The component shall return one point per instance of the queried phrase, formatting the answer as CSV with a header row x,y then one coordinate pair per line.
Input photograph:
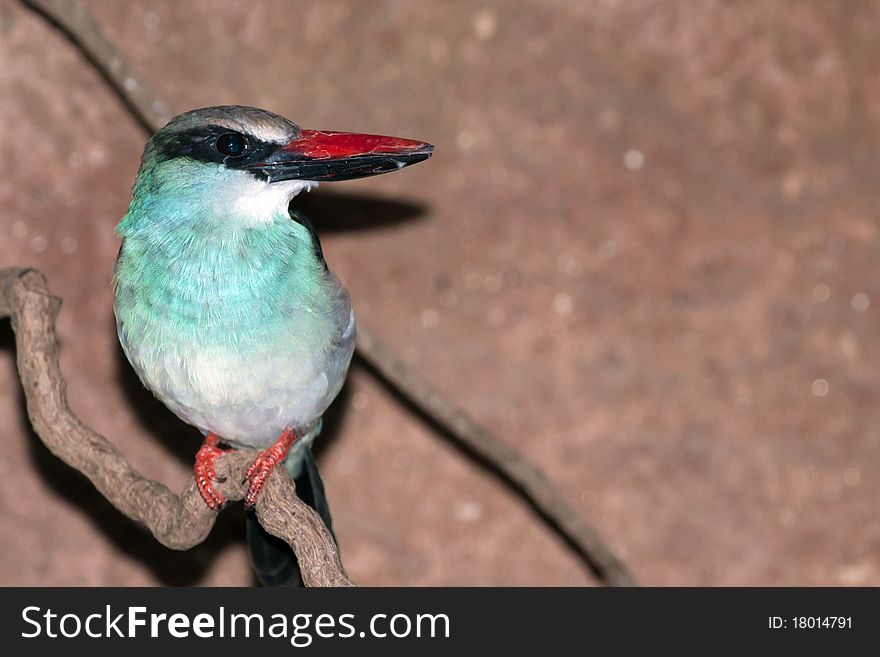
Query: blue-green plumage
x,y
224,304
225,309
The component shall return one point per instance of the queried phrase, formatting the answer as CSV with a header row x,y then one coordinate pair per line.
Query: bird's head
x,y
245,164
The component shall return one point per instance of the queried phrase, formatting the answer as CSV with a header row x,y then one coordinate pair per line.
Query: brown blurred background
x,y
645,254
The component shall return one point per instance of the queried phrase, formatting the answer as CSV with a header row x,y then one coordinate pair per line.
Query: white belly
x,y
246,395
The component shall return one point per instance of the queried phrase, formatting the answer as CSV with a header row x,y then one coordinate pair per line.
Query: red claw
x,y
266,461
205,473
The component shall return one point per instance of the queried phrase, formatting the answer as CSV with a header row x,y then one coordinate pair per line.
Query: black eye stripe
x,y
204,144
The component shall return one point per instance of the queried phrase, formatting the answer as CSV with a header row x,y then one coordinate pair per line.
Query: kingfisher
x,y
225,306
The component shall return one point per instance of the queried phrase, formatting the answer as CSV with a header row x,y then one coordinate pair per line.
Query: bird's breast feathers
x,y
243,358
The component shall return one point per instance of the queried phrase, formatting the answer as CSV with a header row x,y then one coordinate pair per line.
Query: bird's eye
x,y
232,144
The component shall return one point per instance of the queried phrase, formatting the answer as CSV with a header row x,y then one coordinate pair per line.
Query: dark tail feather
x,y
273,561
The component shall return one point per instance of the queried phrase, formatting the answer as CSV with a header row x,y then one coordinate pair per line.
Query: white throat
x,y
261,201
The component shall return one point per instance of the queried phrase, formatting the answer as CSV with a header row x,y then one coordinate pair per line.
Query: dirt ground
x,y
645,253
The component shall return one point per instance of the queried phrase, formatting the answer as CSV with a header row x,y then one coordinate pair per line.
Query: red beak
x,y
330,155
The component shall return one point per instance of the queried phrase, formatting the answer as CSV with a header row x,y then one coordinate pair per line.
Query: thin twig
x,y
177,521
525,478
77,23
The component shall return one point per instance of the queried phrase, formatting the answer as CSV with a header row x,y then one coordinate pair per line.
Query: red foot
x,y
265,463
205,473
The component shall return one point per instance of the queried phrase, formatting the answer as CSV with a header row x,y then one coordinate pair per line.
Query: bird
x,y
225,306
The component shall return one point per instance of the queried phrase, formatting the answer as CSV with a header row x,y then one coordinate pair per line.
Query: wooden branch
x,y
178,522
525,478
